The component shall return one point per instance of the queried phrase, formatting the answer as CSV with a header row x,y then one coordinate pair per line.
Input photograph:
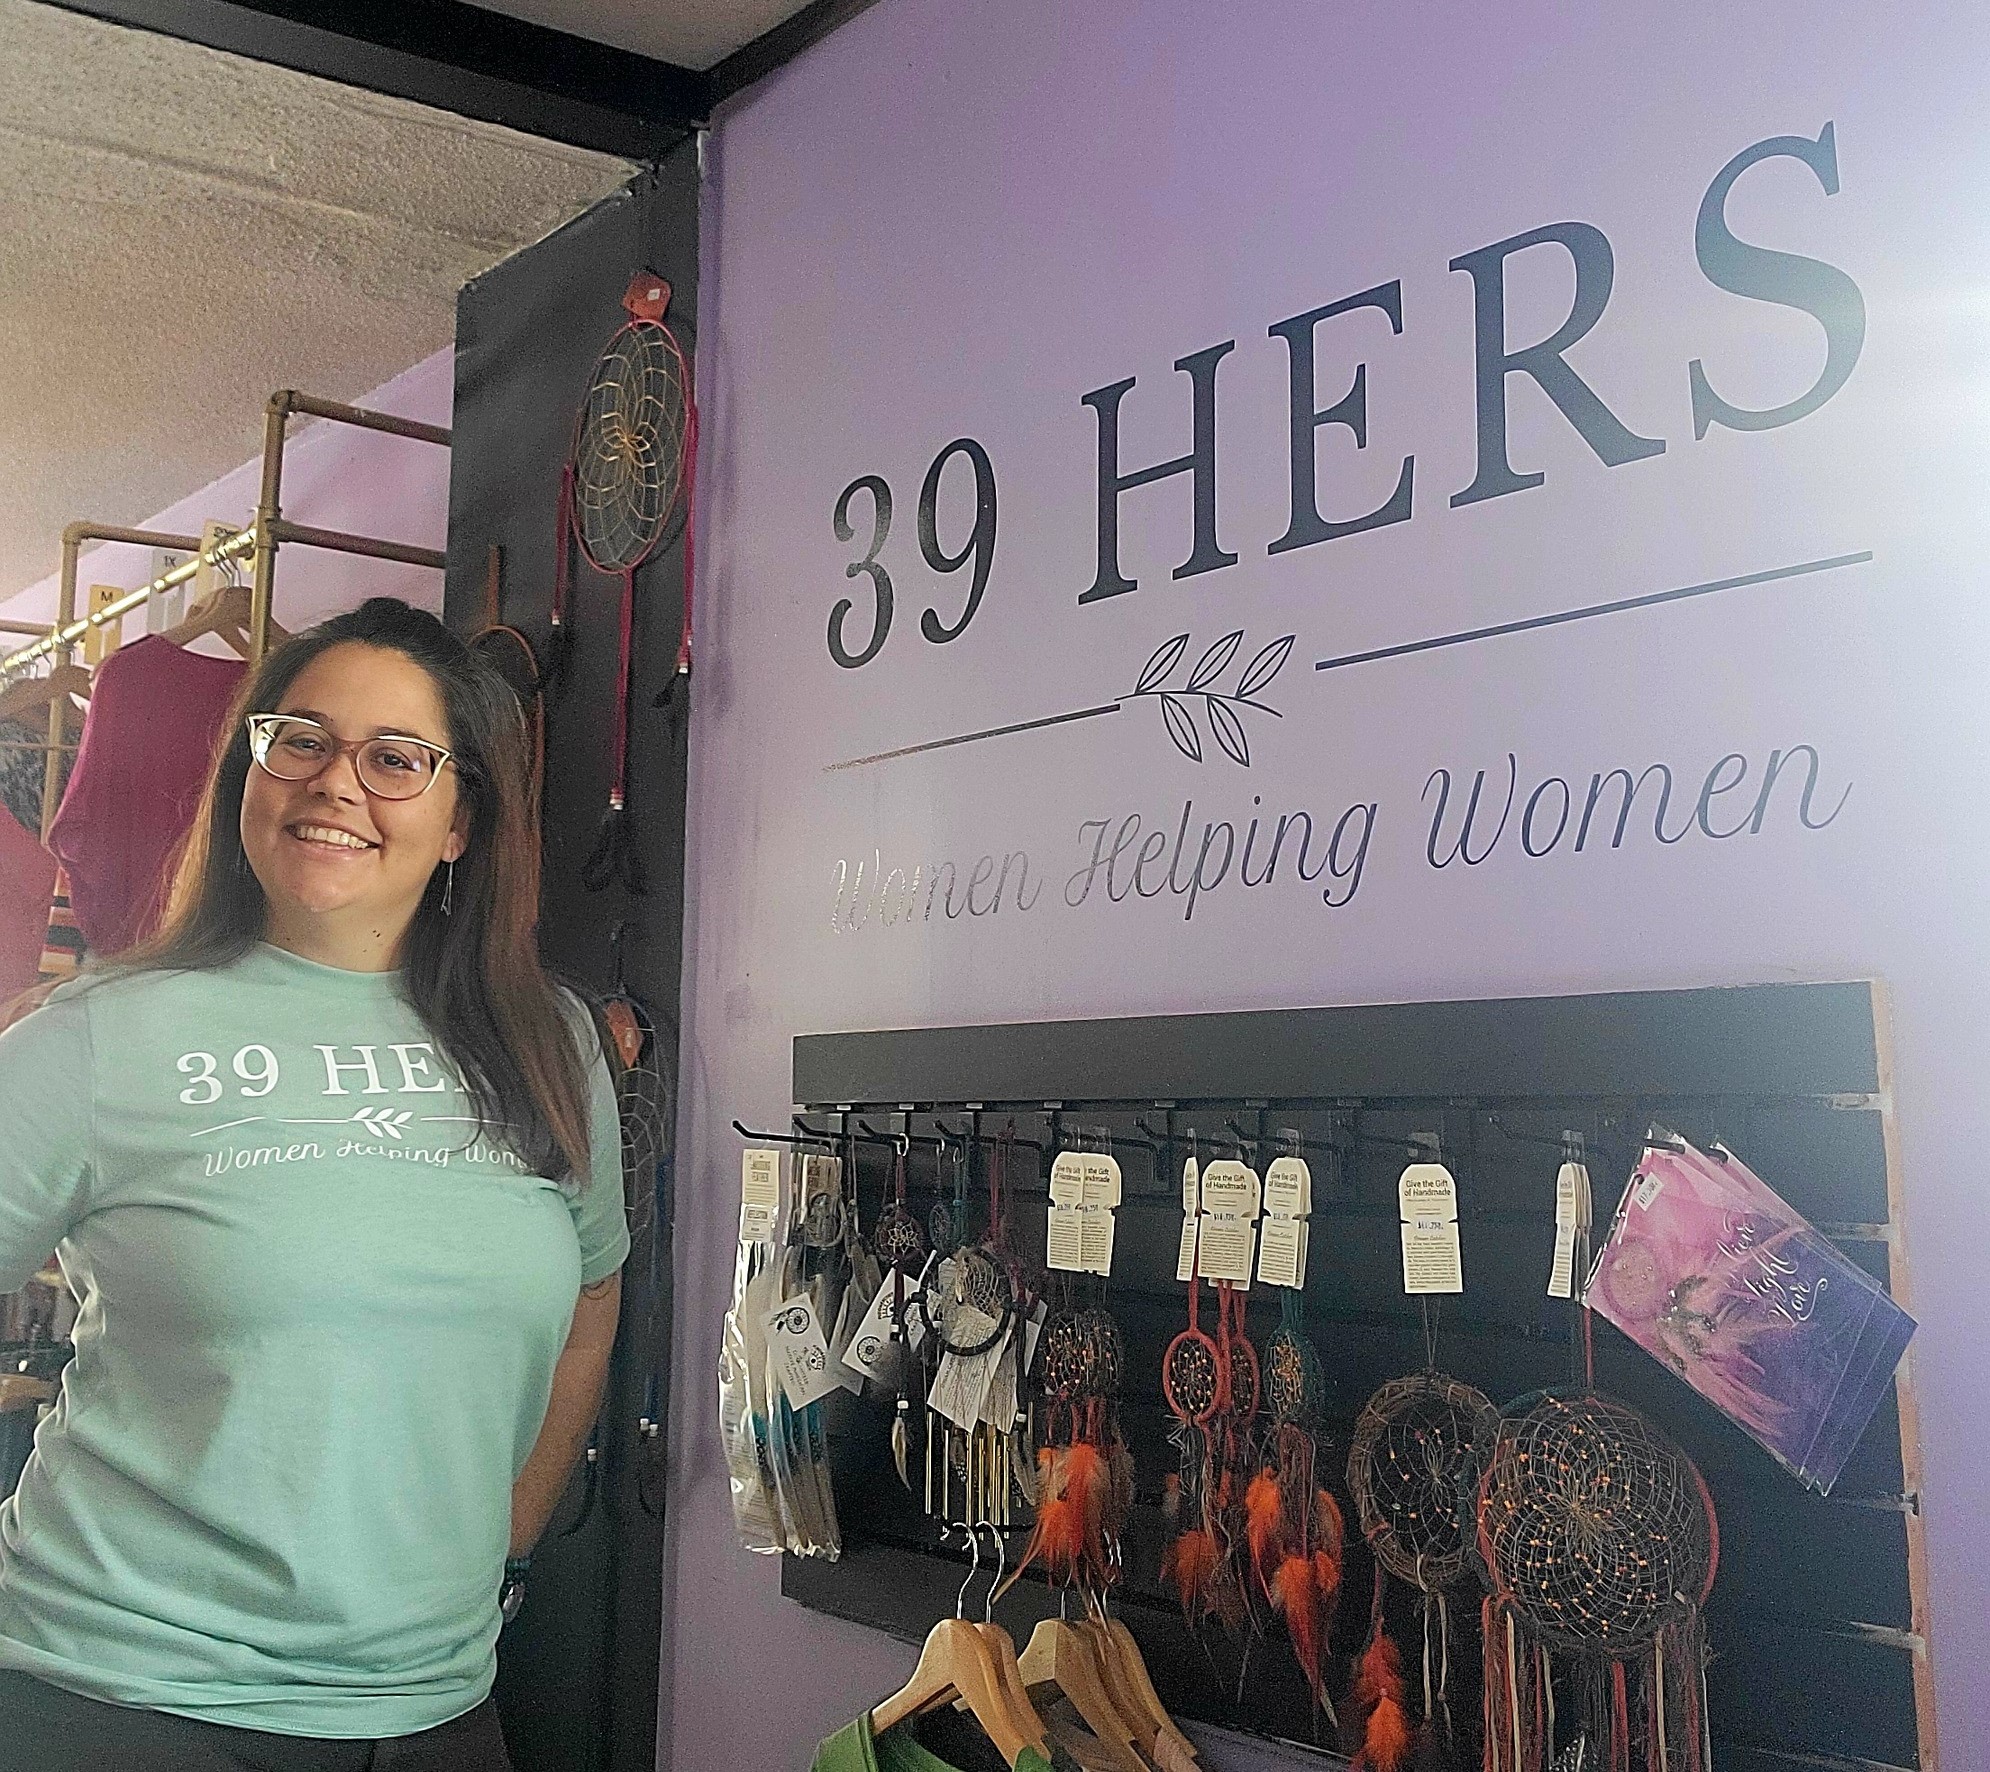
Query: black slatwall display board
x,y
1817,1621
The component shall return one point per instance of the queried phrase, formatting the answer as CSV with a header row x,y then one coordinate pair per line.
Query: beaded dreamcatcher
x,y
1084,1478
1293,1525
1200,1560
1600,1544
1408,1469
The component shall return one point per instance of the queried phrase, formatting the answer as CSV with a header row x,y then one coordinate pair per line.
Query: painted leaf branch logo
x,y
383,1122
1223,711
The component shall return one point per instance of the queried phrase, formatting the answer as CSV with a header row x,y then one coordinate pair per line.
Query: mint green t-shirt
x,y
320,1312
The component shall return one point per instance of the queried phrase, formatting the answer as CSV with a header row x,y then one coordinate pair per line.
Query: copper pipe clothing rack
x,y
258,544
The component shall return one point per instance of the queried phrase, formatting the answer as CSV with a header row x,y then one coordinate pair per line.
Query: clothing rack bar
x,y
68,631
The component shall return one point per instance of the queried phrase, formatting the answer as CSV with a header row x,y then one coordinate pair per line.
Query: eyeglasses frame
x,y
259,749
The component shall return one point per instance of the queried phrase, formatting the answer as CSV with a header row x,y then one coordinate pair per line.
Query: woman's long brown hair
x,y
473,975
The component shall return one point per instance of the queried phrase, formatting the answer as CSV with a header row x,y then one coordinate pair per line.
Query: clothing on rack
x,y
855,1748
62,947
156,711
23,762
27,873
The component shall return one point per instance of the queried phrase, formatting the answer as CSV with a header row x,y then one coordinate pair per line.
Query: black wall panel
x,y
577,1681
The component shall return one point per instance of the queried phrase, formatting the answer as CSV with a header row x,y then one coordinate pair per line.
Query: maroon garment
x,y
27,872
156,711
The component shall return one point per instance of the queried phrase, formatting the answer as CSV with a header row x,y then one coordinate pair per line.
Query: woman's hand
x,y
579,1381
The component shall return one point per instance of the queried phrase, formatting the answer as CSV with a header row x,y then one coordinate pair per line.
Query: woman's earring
x,y
448,887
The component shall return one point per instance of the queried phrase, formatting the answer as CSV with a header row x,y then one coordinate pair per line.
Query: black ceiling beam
x,y
773,49
453,56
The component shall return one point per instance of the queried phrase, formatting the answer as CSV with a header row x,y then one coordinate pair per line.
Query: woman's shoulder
x,y
94,992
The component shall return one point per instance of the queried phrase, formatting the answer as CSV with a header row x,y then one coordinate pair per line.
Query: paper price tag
x,y
1288,1188
1645,1188
1102,1180
1095,1240
1033,1328
1067,1179
1572,1211
1231,1190
870,1349
1064,1246
962,1383
1185,1261
800,1352
1225,1247
759,1195
999,1407
1427,1190
1282,1252
1432,1261
1191,1187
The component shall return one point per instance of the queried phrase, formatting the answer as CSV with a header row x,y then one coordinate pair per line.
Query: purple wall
x,y
952,221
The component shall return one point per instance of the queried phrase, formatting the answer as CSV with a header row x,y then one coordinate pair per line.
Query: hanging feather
x,y
901,1446
1190,1565
1264,1510
1386,1743
1326,1574
1171,1498
1122,1490
1380,1674
1295,1591
1329,1528
1384,1724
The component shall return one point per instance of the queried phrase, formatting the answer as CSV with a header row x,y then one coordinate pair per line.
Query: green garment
x,y
856,1749
319,1318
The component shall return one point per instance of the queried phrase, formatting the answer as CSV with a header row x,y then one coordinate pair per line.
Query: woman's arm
x,y
579,1380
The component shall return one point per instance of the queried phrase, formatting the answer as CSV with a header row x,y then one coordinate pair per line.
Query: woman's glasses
x,y
391,767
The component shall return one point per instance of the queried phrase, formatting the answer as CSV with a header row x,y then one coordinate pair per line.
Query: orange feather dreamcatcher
x,y
1408,1470
1084,1471
1293,1524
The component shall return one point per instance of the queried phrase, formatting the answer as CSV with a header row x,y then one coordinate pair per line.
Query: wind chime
x,y
1408,1469
1600,1544
975,1310
1294,1525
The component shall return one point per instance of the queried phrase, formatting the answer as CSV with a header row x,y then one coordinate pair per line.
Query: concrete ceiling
x,y
692,33
182,232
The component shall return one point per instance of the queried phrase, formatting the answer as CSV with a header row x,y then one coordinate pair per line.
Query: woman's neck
x,y
362,945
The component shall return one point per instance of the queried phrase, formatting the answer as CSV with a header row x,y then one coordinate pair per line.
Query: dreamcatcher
x,y
510,654
627,478
1199,1560
1084,1480
1408,1469
1294,1525
1600,1544
646,1110
900,1246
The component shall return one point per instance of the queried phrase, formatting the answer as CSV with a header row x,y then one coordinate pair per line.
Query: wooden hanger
x,y
225,615
1059,1655
956,1661
1002,1646
37,692
1155,1732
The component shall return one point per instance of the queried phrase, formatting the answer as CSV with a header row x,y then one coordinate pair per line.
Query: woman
x,y
333,1170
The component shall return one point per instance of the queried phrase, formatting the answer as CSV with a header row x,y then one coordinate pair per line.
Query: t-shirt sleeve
x,y
45,1160
600,1221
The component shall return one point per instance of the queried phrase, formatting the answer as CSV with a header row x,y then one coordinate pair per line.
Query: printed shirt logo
x,y
254,1073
